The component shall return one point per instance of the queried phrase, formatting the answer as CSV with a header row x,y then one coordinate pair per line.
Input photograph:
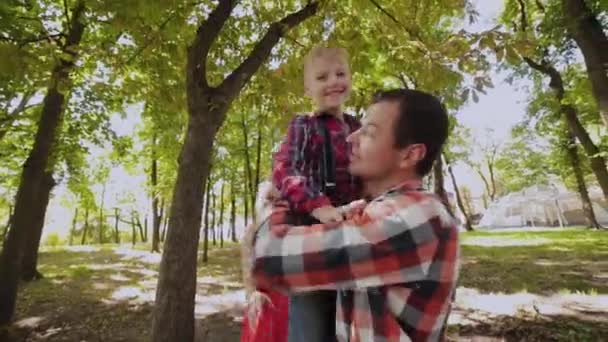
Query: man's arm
x,y
288,163
393,241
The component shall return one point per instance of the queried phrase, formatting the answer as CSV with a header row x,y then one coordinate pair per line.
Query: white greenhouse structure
x,y
543,206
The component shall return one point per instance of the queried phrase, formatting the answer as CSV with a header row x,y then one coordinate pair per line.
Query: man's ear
x,y
411,155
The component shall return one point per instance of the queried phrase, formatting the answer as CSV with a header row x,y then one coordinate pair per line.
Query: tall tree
x,y
459,201
30,253
232,212
173,318
569,144
37,165
598,162
156,215
583,25
221,218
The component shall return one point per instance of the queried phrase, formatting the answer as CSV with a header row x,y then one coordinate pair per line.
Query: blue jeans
x,y
312,317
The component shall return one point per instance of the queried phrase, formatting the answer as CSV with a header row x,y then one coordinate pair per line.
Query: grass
x,y
532,286
105,293
544,262
514,286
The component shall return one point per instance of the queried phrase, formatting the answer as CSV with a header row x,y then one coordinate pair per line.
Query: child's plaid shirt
x,y
296,171
394,264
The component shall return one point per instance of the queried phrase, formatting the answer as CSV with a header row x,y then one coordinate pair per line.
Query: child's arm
x,y
292,157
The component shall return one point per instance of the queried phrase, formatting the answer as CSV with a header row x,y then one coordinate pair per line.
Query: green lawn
x,y
514,286
559,279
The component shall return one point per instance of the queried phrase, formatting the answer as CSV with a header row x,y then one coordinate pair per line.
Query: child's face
x,y
328,82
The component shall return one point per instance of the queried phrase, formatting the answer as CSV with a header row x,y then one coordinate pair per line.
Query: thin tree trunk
x,y
133,229
221,219
587,31
156,215
165,224
232,212
248,171
86,226
73,230
206,227
101,216
8,222
467,220
146,228
213,209
36,166
439,182
573,156
254,188
116,219
137,221
598,163
246,203
173,317
30,254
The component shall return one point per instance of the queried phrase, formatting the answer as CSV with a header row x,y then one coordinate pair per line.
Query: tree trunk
x,y
156,217
587,31
248,171
438,183
35,167
137,221
30,254
86,226
246,203
116,219
573,157
221,219
101,216
133,230
8,222
165,224
467,220
232,212
173,317
256,182
73,230
206,227
213,209
598,163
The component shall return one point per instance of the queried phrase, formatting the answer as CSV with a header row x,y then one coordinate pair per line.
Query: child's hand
x,y
255,304
328,214
353,208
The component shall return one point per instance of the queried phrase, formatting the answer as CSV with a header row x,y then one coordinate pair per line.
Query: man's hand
x,y
353,208
328,214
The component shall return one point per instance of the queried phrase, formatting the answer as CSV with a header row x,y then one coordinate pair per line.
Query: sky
x,y
501,108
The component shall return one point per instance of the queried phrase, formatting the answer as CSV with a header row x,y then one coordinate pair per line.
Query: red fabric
x,y
272,322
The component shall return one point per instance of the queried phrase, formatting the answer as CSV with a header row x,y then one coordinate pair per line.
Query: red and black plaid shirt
x,y
394,264
297,164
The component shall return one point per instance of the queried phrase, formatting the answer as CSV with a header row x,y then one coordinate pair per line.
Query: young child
x,y
299,174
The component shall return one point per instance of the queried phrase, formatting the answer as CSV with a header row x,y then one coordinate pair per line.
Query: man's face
x,y
373,153
328,82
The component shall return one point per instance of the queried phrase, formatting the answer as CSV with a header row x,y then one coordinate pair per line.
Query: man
x,y
394,263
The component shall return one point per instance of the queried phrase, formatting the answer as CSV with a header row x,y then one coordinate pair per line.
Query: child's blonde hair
x,y
324,52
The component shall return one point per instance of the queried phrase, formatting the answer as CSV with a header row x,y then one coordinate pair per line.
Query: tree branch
x,y
66,12
51,38
230,87
151,38
206,35
522,14
394,19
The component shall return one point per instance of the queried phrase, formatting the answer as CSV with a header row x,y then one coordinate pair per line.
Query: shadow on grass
x,y
528,327
539,262
106,294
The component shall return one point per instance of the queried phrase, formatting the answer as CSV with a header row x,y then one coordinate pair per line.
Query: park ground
x,y
547,285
